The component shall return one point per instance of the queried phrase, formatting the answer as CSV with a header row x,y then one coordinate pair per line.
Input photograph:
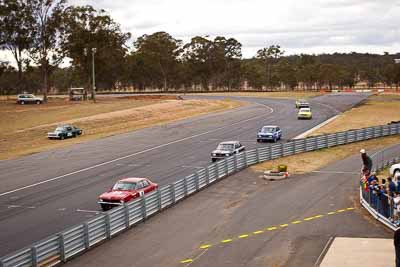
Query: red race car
x,y
126,190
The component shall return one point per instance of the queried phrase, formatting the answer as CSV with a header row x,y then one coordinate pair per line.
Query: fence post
x,y
235,163
126,212
143,207
226,167
245,158
61,242
197,180
173,193
257,155
86,235
34,256
108,225
346,133
270,152
207,176
185,190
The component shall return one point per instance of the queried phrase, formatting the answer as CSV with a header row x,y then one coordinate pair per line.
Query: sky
x,y
307,26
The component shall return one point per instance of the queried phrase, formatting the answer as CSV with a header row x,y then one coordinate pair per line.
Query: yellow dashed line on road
x,y
281,226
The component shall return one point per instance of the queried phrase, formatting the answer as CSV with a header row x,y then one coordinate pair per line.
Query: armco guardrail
x,y
60,247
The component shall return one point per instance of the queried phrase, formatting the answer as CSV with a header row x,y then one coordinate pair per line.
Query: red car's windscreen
x,y
124,186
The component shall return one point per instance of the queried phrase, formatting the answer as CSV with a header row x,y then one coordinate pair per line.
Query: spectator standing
x,y
392,186
367,162
383,205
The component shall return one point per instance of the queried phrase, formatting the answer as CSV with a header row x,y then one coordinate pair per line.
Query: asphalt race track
x,y
47,192
244,220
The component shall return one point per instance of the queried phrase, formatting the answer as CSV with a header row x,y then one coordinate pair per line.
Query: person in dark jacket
x,y
396,239
392,186
367,162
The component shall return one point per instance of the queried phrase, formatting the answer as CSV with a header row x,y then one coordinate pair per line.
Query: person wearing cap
x,y
367,162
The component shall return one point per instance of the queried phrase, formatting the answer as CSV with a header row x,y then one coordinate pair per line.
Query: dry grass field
x,y
287,95
377,110
24,128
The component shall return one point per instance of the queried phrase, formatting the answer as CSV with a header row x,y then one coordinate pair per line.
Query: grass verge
x,y
315,160
24,128
376,110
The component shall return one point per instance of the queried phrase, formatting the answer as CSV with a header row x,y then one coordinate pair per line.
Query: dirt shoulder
x,y
24,128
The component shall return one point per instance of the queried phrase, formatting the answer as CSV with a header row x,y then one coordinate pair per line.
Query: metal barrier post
x,y
207,175
197,181
245,158
173,193
257,155
126,212
185,186
235,163
34,256
226,167
159,199
86,235
62,247
143,207
108,226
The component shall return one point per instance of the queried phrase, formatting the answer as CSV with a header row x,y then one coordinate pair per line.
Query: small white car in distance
x,y
394,170
23,99
226,149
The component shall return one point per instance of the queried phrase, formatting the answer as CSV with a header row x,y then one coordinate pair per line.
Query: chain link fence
x,y
61,247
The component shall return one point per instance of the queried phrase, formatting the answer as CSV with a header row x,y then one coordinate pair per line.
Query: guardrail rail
x,y
62,246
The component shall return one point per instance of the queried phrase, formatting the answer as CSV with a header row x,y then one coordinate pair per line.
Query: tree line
x,y
41,34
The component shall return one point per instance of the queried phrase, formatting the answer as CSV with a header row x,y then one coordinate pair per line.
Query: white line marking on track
x,y
88,211
197,257
14,206
302,135
189,166
135,154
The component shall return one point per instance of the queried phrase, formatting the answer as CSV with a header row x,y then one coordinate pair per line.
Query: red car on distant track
x,y
126,190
